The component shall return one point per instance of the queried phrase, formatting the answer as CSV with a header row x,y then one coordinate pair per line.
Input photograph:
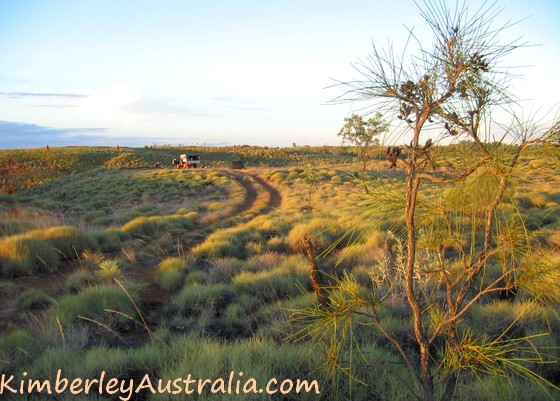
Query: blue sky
x,y
133,72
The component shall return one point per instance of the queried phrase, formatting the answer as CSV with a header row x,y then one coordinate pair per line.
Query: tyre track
x,y
249,209
253,185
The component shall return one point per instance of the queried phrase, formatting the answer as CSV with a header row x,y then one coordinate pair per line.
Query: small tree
x,y
363,134
461,241
311,179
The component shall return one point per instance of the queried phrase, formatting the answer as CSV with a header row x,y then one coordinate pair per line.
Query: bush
x,y
197,277
286,280
170,272
230,242
18,338
110,240
195,299
235,322
170,280
172,263
21,255
79,280
264,261
69,241
217,248
102,358
94,302
16,347
222,270
94,215
141,227
34,299
109,271
155,225
321,231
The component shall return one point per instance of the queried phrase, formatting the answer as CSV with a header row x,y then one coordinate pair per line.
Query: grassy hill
x,y
108,264
24,168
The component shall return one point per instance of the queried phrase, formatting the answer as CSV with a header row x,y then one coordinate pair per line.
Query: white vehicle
x,y
187,161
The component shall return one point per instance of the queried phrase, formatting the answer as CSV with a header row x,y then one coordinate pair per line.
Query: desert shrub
x,y
263,261
286,280
253,248
278,176
111,239
235,322
141,226
195,299
80,279
231,242
351,255
170,273
146,210
336,179
175,223
109,271
275,244
93,303
192,215
69,241
48,362
197,277
16,347
221,270
322,232
21,255
376,238
18,338
218,248
90,260
151,226
112,360
170,280
172,263
93,216
34,299
270,224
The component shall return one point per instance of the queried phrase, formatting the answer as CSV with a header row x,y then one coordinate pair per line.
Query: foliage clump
x,y
25,255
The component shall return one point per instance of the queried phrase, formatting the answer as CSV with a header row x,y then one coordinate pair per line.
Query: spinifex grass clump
x,y
171,272
69,241
24,255
103,304
109,271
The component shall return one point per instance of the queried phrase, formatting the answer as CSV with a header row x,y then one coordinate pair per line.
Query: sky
x,y
216,72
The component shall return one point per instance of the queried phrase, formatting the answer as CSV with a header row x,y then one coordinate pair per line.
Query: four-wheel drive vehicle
x,y
187,161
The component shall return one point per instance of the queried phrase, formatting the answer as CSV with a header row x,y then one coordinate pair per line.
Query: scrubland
x,y
107,264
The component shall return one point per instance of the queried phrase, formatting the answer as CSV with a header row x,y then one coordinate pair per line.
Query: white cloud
x,y
109,103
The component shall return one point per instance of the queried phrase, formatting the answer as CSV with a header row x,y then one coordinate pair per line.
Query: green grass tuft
x,y
22,255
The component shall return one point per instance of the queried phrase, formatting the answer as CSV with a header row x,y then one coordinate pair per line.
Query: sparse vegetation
x,y
137,270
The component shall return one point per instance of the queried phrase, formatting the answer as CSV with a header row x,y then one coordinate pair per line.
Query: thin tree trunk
x,y
314,273
412,187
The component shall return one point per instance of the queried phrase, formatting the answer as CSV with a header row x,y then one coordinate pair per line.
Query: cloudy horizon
x,y
137,72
